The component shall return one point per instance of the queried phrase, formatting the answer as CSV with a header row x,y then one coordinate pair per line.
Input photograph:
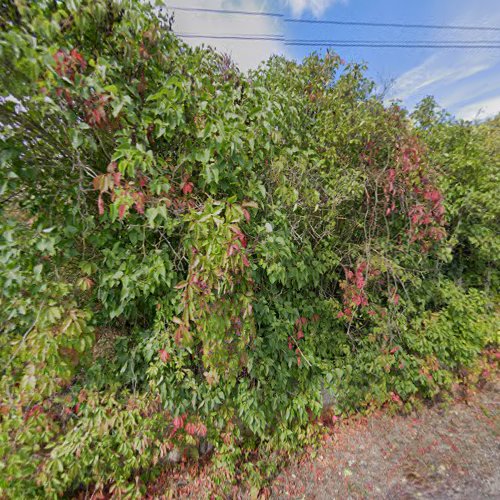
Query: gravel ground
x,y
439,453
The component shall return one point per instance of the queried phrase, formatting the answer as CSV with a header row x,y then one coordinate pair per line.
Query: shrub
x,y
191,253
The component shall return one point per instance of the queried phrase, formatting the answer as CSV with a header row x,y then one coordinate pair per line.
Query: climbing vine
x,y
192,256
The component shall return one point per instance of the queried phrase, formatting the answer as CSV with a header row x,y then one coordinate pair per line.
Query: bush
x,y
190,253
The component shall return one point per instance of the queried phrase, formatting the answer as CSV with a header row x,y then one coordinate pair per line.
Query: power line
x,y
226,11
452,42
472,44
327,21
233,37
394,25
392,45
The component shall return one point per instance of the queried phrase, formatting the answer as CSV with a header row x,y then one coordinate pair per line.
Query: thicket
x,y
194,255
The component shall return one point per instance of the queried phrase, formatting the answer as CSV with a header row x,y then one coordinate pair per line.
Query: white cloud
x,y
486,108
247,54
317,7
438,70
470,90
458,76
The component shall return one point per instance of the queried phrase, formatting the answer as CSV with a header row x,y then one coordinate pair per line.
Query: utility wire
x,y
392,45
394,25
472,44
452,42
233,37
225,11
326,21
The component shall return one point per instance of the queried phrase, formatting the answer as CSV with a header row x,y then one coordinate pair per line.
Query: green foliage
x,y
191,254
470,164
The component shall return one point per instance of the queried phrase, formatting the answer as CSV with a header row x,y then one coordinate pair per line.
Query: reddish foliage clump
x,y
355,295
409,180
68,65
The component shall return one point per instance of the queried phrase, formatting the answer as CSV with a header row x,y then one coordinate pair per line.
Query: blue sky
x,y
466,82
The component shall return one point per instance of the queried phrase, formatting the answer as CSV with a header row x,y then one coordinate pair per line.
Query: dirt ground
x,y
439,453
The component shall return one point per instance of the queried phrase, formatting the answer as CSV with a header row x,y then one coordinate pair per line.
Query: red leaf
x,y
139,202
246,213
100,205
187,187
116,178
190,428
97,114
121,211
301,321
178,423
164,355
201,430
232,249
243,239
395,397
300,334
244,258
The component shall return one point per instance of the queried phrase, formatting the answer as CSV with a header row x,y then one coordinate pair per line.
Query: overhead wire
x,y
449,44
330,21
226,11
472,44
394,25
233,37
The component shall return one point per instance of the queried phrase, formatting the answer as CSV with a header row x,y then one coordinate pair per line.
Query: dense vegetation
x,y
193,255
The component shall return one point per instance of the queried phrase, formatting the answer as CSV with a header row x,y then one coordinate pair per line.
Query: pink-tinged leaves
x,y
100,205
117,178
395,397
301,321
246,214
178,423
139,202
242,238
187,187
232,249
164,355
190,428
121,211
245,260
201,430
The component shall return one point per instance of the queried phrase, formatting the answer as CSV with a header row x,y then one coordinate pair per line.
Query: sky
x,y
464,81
